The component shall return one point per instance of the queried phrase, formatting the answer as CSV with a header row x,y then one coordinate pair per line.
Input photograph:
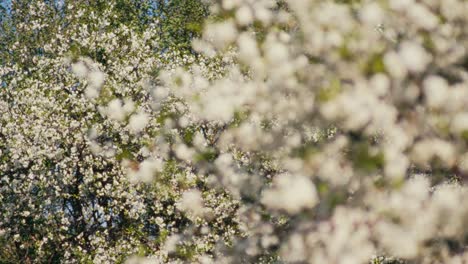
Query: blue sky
x,y
5,3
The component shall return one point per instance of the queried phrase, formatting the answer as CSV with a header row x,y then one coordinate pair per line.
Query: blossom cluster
x,y
340,129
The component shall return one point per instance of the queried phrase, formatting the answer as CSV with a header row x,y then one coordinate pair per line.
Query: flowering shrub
x,y
293,131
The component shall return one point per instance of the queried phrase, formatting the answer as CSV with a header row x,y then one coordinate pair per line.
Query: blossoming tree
x,y
288,131
74,105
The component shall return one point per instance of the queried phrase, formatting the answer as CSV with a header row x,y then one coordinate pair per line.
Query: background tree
x,y
65,196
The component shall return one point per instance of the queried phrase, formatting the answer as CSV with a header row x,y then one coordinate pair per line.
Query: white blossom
x,y
291,193
138,122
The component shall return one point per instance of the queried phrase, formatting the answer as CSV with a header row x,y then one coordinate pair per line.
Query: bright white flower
x,y
397,240
414,57
231,4
171,243
463,163
184,152
244,15
115,110
380,83
291,193
221,34
96,79
395,65
192,202
371,14
138,122
160,93
79,69
91,92
145,171
422,16
277,53
435,91
427,149
396,165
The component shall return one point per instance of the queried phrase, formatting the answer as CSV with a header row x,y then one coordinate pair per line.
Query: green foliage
x,y
180,21
374,65
329,92
365,158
